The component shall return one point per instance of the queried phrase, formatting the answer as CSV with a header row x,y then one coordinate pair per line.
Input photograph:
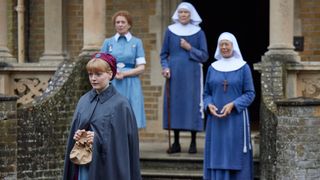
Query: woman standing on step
x,y
183,52
131,61
228,92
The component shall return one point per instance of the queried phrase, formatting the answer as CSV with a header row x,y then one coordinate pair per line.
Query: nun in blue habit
x,y
183,51
228,92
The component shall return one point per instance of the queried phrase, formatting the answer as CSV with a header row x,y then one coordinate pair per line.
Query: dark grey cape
x,y
116,142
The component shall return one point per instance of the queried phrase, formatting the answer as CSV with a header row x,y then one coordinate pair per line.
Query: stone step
x,y
181,161
177,167
171,174
156,164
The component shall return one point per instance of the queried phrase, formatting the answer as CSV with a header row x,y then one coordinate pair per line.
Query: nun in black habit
x,y
109,122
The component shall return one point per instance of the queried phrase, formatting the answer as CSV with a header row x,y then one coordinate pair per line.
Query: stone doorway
x,y
249,22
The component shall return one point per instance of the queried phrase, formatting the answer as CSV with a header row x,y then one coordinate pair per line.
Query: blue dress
x,y
186,81
228,152
127,52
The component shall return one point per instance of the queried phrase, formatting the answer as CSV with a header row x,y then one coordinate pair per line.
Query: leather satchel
x,y
81,152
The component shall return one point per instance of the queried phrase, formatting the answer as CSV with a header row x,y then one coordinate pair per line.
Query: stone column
x,y
281,27
54,38
276,82
94,20
4,51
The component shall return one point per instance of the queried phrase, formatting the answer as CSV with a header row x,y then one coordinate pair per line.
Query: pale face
x,y
184,16
226,48
121,24
99,80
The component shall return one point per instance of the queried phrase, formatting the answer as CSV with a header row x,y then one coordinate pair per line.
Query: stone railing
x,y
27,81
302,79
307,78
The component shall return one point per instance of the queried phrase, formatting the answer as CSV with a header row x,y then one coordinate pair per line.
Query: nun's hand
x,y
185,45
226,110
213,110
166,73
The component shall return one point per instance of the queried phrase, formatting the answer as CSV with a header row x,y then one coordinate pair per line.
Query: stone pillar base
x,y
7,61
52,59
5,56
286,55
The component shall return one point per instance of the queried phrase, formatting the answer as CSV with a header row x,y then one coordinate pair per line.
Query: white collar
x,y
184,30
128,36
227,65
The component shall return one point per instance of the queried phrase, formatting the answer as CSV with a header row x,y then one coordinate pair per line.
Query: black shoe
x,y
192,148
175,148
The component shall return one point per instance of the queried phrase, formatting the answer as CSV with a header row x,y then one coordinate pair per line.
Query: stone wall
x,y
289,130
8,137
298,142
273,87
272,81
44,125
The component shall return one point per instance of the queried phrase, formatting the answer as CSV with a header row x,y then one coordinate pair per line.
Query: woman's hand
x,y
119,75
213,110
166,73
139,69
185,45
226,110
90,137
78,134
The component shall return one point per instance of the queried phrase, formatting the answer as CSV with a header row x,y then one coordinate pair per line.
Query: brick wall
x,y
74,27
73,18
12,27
310,20
34,30
8,137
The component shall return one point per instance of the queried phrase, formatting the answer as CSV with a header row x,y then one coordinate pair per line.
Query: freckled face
x,y
99,79
184,16
226,48
121,24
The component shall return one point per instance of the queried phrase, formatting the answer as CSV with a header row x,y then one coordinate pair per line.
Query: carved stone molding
x,y
28,88
311,87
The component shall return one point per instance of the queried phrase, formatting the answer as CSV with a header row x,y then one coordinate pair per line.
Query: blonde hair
x,y
98,65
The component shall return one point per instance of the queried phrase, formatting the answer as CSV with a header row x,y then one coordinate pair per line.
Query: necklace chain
x,y
225,82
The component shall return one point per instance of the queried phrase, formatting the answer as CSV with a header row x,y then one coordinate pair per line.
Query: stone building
x,y
44,45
